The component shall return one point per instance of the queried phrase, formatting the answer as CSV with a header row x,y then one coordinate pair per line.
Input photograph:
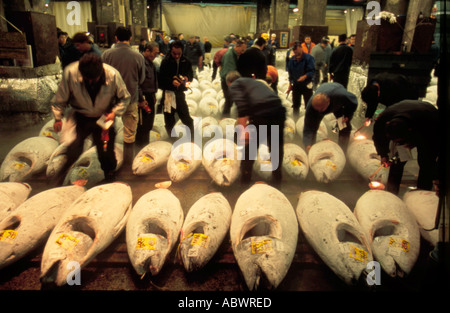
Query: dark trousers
x,y
84,127
341,78
146,120
249,159
344,135
228,101
427,169
215,68
183,114
299,89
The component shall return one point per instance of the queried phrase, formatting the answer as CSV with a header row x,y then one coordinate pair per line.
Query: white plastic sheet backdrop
x,y
214,22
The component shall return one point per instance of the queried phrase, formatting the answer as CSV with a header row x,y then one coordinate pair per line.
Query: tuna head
x,y
71,243
220,160
263,233
183,161
27,158
326,160
12,194
151,157
391,229
295,161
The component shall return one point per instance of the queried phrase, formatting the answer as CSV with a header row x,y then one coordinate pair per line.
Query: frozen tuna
x,y
220,160
264,233
59,158
295,161
87,228
334,233
289,130
208,106
228,127
424,204
48,131
152,230
88,167
183,161
151,157
158,131
364,159
206,225
29,226
12,194
326,160
27,158
322,132
391,229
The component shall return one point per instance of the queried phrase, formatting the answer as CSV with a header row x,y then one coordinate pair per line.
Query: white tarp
x,y
214,22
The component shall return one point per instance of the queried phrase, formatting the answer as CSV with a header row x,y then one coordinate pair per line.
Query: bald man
x,y
329,98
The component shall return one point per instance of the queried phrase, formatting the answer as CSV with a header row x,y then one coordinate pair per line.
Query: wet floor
x,y
112,271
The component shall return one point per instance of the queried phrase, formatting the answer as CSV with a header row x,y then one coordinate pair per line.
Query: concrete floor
x,y
112,271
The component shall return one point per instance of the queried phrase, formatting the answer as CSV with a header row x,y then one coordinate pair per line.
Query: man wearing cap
x,y
401,127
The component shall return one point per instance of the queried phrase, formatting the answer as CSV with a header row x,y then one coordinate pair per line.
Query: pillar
x,y
262,16
312,12
154,14
415,8
280,14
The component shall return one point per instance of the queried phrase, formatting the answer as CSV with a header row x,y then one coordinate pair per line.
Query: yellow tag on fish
x,y
332,165
399,244
183,166
67,242
289,129
82,173
146,159
200,239
226,161
18,166
148,243
296,163
47,134
262,246
358,254
8,235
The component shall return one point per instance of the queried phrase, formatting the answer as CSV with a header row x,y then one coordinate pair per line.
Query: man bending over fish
x,y
329,98
93,90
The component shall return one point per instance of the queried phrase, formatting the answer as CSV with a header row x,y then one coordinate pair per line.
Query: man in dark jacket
x,y
408,124
175,71
147,95
387,89
301,70
258,106
329,98
253,63
193,52
341,61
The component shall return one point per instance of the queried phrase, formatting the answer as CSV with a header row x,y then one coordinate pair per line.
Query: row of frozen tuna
x,y
76,224
325,159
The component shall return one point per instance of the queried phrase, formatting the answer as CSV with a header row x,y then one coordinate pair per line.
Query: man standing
x,y
329,98
93,90
193,52
259,106
147,95
307,44
208,48
131,65
228,64
408,124
318,53
253,62
328,50
81,44
341,61
175,71
301,70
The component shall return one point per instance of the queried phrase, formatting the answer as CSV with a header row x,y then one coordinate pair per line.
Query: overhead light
x,y
345,12
295,10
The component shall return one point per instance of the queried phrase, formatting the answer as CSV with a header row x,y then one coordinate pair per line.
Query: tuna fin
x,y
121,225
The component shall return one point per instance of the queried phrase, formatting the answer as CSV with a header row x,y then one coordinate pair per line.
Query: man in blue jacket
x,y
329,98
301,70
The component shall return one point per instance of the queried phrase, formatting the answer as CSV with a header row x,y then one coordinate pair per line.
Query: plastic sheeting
x,y
214,22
